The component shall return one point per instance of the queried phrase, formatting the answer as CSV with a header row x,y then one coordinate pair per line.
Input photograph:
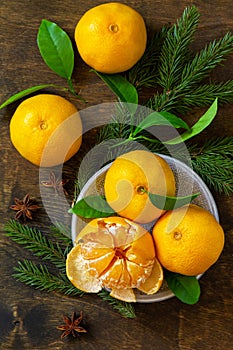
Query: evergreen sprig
x,y
175,49
208,58
34,241
182,89
213,162
40,278
145,71
204,94
62,234
125,309
171,66
180,79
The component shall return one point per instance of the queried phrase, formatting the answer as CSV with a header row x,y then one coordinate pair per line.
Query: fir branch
x,y
175,49
40,278
145,71
179,76
124,308
199,96
62,234
199,68
213,162
33,240
205,94
165,101
118,125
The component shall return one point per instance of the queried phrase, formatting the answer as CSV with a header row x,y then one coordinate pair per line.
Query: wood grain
x,y
28,318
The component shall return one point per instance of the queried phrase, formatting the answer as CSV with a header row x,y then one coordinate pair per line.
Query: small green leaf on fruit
x,y
170,203
185,288
92,207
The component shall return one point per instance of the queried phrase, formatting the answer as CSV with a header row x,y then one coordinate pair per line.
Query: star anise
x,y
56,184
24,207
72,325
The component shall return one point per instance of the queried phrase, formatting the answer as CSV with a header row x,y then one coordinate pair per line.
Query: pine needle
x,y
34,241
145,71
175,49
199,68
40,278
214,163
62,234
124,308
205,94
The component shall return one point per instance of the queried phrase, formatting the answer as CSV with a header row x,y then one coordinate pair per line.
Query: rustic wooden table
x,y
28,317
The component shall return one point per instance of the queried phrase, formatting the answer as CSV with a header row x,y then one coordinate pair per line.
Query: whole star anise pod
x,y
72,325
56,184
24,207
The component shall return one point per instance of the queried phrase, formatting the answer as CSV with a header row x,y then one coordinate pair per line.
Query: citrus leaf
x,y
122,88
56,48
199,126
92,207
161,118
185,288
174,120
24,93
170,203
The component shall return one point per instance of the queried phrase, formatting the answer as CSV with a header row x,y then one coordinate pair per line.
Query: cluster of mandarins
x,y
119,254
110,38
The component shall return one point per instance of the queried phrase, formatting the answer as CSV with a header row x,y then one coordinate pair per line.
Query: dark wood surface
x,y
28,318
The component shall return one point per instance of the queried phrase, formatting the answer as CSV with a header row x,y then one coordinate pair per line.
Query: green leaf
x,y
24,93
199,126
169,203
122,88
185,288
92,207
56,48
161,118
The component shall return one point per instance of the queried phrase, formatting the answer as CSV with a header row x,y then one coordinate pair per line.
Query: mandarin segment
x,y
154,281
125,294
101,264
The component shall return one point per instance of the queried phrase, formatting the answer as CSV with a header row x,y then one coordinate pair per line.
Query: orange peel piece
x,y
153,283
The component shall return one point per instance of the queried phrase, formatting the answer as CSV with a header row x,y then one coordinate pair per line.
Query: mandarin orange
x,y
188,240
111,37
129,179
116,254
46,129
